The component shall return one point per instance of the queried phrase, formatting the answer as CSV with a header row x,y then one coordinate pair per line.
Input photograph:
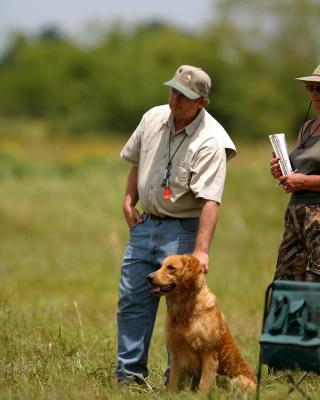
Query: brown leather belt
x,y
156,217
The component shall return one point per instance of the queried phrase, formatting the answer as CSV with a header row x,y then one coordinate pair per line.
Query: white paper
x,y
280,149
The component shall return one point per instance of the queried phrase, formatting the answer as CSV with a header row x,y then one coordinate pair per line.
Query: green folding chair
x,y
290,338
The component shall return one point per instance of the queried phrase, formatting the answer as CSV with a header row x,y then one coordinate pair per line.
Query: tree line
x,y
252,51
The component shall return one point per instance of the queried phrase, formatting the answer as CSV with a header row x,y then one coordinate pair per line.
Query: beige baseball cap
x,y
314,77
193,82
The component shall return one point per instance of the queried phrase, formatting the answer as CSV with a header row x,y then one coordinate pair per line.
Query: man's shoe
x,y
130,379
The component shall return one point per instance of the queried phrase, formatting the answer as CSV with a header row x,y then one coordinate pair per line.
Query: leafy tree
x,y
251,49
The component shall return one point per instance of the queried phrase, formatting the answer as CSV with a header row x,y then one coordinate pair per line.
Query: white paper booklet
x,y
280,149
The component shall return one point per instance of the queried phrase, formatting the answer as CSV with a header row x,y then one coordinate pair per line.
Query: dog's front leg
x,y
209,369
175,374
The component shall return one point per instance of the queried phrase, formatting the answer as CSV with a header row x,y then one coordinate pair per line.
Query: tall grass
x,y
61,239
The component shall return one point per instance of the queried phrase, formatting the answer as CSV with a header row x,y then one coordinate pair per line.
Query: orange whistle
x,y
166,193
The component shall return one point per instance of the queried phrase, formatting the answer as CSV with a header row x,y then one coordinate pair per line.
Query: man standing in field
x,y
178,155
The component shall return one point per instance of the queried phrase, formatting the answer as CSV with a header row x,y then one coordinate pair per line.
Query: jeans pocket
x,y
133,227
188,225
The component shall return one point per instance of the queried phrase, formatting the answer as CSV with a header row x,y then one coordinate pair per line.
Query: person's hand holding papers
x,y
275,167
291,182
280,165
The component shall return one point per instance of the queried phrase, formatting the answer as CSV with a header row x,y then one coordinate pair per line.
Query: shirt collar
x,y
190,128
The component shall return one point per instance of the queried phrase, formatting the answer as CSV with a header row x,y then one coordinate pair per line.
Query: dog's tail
x,y
232,364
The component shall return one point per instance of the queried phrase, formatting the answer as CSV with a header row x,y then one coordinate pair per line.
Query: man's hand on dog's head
x,y
203,258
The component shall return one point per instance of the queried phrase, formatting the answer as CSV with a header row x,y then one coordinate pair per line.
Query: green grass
x,y
61,241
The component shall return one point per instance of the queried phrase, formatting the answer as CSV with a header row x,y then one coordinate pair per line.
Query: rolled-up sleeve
x,y
131,150
208,173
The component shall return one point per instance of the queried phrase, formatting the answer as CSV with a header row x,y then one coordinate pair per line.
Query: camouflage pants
x,y
299,252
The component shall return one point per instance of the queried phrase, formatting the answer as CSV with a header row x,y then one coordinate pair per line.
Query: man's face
x,y
182,107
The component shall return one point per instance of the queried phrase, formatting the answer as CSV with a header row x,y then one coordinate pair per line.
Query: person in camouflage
x,y
299,251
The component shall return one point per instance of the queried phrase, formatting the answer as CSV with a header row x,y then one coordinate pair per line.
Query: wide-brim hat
x,y
191,81
314,77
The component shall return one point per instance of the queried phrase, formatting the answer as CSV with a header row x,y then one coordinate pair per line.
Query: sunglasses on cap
x,y
311,88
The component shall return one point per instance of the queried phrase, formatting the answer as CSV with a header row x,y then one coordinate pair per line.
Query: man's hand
x,y
132,216
203,258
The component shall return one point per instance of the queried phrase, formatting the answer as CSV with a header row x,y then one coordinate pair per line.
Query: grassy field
x,y
61,239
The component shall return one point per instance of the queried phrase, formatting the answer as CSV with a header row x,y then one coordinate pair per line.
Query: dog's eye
x,y
170,268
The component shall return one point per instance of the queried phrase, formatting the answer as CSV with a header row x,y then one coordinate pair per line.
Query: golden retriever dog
x,y
197,336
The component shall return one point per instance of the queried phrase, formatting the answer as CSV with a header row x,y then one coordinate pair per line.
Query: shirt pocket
x,y
149,141
181,175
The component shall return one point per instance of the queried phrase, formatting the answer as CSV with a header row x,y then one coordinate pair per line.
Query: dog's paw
x,y
244,382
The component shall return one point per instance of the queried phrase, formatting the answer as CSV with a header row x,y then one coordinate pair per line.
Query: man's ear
x,y
191,268
202,102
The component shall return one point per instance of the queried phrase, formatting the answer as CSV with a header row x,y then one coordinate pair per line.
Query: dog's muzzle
x,y
160,289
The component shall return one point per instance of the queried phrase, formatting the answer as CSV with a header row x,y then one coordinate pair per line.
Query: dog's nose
x,y
150,277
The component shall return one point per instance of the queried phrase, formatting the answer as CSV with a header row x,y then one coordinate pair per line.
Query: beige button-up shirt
x,y
198,167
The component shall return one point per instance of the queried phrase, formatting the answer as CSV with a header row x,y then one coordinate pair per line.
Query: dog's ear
x,y
191,268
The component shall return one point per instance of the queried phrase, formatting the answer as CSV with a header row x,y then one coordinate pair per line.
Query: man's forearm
x,y
207,224
131,198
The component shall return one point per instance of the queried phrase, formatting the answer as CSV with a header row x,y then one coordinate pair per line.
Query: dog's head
x,y
180,272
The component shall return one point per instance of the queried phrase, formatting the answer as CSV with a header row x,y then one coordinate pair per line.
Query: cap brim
x,y
182,89
311,78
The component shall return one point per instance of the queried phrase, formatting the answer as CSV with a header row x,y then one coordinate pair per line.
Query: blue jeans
x,y
149,243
